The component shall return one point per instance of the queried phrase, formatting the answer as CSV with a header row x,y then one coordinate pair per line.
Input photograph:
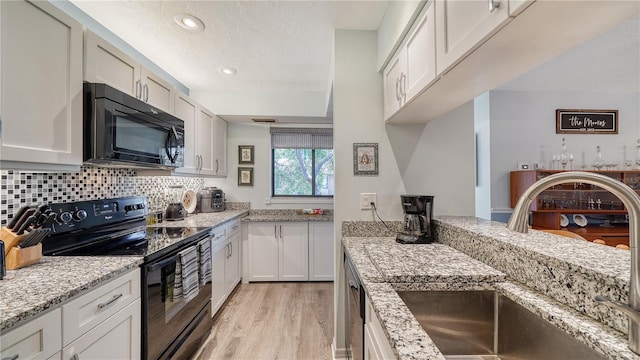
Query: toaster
x,y
210,199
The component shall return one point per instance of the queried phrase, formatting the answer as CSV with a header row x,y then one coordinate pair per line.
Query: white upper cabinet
x,y
205,127
105,63
186,110
220,147
393,75
464,24
421,54
205,139
413,67
41,87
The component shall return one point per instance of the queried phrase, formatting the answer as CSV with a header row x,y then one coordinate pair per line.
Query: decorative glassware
x,y
565,156
638,154
598,163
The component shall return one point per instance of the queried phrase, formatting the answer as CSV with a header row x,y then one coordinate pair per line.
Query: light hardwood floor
x,y
289,320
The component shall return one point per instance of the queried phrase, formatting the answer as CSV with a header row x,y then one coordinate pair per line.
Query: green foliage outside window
x,y
303,172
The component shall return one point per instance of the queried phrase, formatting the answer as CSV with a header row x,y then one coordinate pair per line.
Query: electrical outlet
x,y
366,199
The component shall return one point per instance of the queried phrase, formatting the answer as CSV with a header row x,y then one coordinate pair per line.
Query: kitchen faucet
x,y
519,222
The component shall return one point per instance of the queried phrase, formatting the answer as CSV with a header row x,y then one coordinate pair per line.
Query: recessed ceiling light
x,y
227,70
189,22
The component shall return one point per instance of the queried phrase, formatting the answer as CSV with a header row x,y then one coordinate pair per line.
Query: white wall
x,y
523,128
439,160
258,136
482,128
358,119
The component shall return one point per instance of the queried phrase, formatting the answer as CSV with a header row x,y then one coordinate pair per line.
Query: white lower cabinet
x,y
225,267
290,251
104,323
39,338
321,252
118,337
376,344
278,251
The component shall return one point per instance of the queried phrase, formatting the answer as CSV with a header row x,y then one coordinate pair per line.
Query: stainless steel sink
x,y
486,325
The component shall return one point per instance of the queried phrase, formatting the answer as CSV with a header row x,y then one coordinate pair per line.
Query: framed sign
x,y
586,121
365,159
245,154
245,176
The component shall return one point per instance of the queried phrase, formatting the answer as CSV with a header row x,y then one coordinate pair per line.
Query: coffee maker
x,y
418,213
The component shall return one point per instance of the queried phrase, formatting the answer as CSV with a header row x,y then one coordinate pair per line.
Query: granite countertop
x,y
204,219
386,267
288,215
31,290
288,218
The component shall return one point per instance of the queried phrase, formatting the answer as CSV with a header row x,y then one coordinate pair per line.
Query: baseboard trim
x,y
339,353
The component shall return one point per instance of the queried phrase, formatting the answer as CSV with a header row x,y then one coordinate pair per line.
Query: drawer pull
x,y
12,357
113,299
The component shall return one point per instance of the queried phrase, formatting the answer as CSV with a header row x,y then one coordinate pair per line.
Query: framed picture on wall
x,y
245,176
245,154
365,159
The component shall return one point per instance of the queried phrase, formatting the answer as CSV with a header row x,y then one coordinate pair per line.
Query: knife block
x,y
10,239
19,257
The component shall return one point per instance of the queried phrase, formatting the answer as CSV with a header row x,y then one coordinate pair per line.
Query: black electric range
x,y
172,327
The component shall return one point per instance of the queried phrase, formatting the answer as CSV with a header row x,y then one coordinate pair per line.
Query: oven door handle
x,y
162,263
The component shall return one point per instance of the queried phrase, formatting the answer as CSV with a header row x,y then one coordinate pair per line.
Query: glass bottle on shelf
x,y
565,157
598,163
638,155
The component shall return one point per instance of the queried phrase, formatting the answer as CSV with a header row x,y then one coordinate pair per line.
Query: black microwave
x,y
122,131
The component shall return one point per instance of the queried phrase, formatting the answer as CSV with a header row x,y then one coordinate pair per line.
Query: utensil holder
x,y
10,239
19,257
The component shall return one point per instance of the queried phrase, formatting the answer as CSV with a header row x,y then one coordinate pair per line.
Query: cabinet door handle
x,y
216,166
12,357
493,5
75,356
275,231
398,89
138,89
280,231
231,247
403,84
113,299
146,93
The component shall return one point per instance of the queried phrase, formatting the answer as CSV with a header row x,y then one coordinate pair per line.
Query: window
x,y
302,162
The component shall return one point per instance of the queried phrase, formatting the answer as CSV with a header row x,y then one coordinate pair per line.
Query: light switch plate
x,y
366,199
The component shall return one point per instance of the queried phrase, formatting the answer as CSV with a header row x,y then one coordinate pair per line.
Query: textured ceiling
x,y
285,47
274,45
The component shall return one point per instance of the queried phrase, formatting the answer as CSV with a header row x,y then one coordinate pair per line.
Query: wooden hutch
x,y
577,198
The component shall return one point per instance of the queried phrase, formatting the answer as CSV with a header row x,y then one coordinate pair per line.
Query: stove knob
x,y
65,217
140,206
80,215
128,208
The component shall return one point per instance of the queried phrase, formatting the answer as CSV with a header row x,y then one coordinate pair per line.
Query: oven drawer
x,y
85,312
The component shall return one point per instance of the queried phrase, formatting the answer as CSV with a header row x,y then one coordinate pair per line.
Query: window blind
x,y
301,138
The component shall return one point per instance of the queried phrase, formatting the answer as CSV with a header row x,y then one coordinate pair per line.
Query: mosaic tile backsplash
x,y
19,188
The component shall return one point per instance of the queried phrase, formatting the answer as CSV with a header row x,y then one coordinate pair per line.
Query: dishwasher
x,y
354,307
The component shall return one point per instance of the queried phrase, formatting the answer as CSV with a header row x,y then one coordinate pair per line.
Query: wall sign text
x,y
586,121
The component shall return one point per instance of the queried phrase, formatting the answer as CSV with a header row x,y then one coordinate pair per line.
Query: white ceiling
x,y
610,63
286,47
276,46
